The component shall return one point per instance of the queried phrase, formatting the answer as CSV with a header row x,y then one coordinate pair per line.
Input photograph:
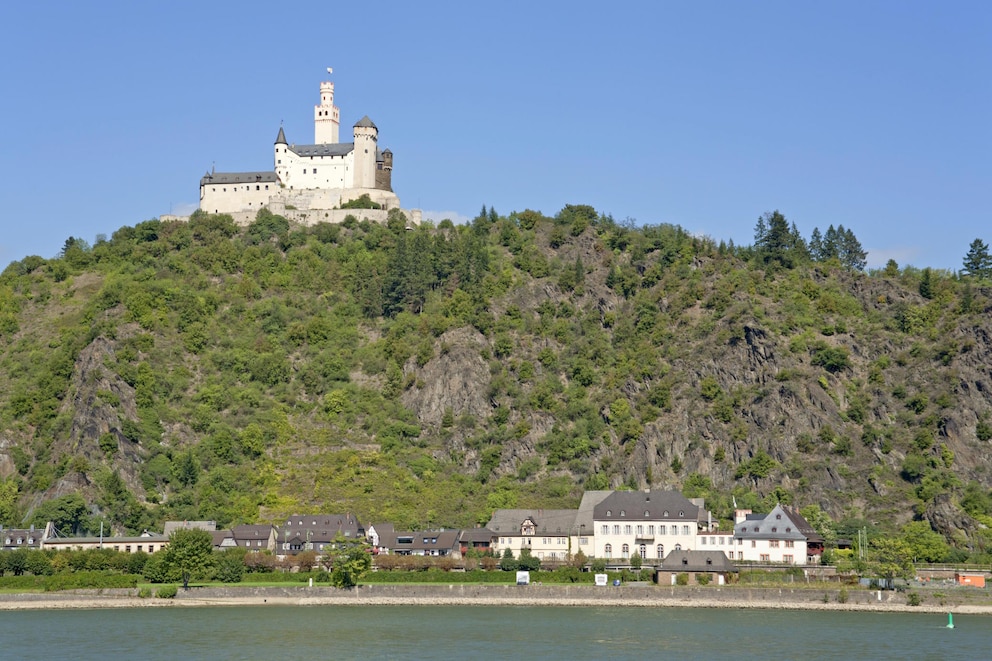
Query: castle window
x,y
315,170
257,187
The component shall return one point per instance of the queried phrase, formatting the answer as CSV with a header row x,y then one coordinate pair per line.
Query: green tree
x,y
927,284
350,564
978,261
189,552
925,544
67,513
508,562
891,558
230,565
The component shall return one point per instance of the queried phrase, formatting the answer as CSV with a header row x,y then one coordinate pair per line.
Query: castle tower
x,y
326,116
280,160
366,137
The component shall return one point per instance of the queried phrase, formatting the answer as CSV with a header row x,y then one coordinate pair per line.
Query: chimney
x,y
740,515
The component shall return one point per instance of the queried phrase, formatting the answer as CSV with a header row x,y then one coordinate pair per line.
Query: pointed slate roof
x,y
281,138
365,122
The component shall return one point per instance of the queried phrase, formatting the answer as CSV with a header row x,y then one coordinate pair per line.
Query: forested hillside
x,y
426,376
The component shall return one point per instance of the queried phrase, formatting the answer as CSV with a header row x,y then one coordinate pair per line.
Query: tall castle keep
x,y
309,183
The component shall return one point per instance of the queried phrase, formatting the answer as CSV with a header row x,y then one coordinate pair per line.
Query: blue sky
x,y
874,115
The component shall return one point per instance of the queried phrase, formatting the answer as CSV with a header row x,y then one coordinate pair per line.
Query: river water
x,y
483,632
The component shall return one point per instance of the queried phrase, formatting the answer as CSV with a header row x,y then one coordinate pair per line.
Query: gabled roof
x,y
420,540
172,526
646,506
781,523
321,527
697,561
252,531
556,522
476,535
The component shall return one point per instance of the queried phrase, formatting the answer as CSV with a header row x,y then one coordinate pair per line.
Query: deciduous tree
x,y
189,552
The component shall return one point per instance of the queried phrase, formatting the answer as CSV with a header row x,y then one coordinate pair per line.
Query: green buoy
x,y
950,620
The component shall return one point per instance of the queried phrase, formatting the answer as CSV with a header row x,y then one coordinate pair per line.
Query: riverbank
x,y
977,602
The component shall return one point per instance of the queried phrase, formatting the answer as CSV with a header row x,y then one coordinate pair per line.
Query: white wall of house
x,y
620,540
777,551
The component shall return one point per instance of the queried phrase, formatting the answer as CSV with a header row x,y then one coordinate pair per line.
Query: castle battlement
x,y
309,182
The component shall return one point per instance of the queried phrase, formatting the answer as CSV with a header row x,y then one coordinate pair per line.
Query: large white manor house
x,y
309,183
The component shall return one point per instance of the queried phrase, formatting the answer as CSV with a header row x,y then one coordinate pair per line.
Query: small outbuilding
x,y
713,564
971,579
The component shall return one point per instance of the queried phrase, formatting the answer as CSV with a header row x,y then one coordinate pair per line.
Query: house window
x,y
609,513
646,514
626,551
139,548
778,516
616,530
787,559
740,555
765,557
740,542
643,551
662,530
127,548
678,547
753,543
702,541
608,550
650,530
685,530
661,551
623,513
773,544
627,530
640,530
789,544
151,548
606,529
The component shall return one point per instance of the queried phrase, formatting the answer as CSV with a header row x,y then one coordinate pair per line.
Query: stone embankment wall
x,y
709,596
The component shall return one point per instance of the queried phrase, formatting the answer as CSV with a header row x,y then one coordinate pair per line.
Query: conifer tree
x,y
978,262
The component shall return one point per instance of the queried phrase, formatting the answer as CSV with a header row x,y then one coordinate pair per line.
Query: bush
x,y
913,599
842,596
682,578
703,579
144,593
167,591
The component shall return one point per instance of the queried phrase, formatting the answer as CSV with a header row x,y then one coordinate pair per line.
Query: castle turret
x,y
279,160
366,137
326,117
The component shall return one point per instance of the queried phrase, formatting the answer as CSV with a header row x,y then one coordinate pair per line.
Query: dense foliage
x,y
426,376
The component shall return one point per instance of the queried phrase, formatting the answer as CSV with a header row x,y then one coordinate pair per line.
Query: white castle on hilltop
x,y
309,183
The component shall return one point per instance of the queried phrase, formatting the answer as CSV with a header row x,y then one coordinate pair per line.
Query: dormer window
x,y
623,513
788,530
609,513
778,516
646,514
681,513
666,514
774,529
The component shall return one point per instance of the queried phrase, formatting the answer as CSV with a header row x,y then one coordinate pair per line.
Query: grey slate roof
x,y
238,178
172,526
555,522
646,506
330,149
318,528
698,561
584,520
781,523
442,541
281,138
365,122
